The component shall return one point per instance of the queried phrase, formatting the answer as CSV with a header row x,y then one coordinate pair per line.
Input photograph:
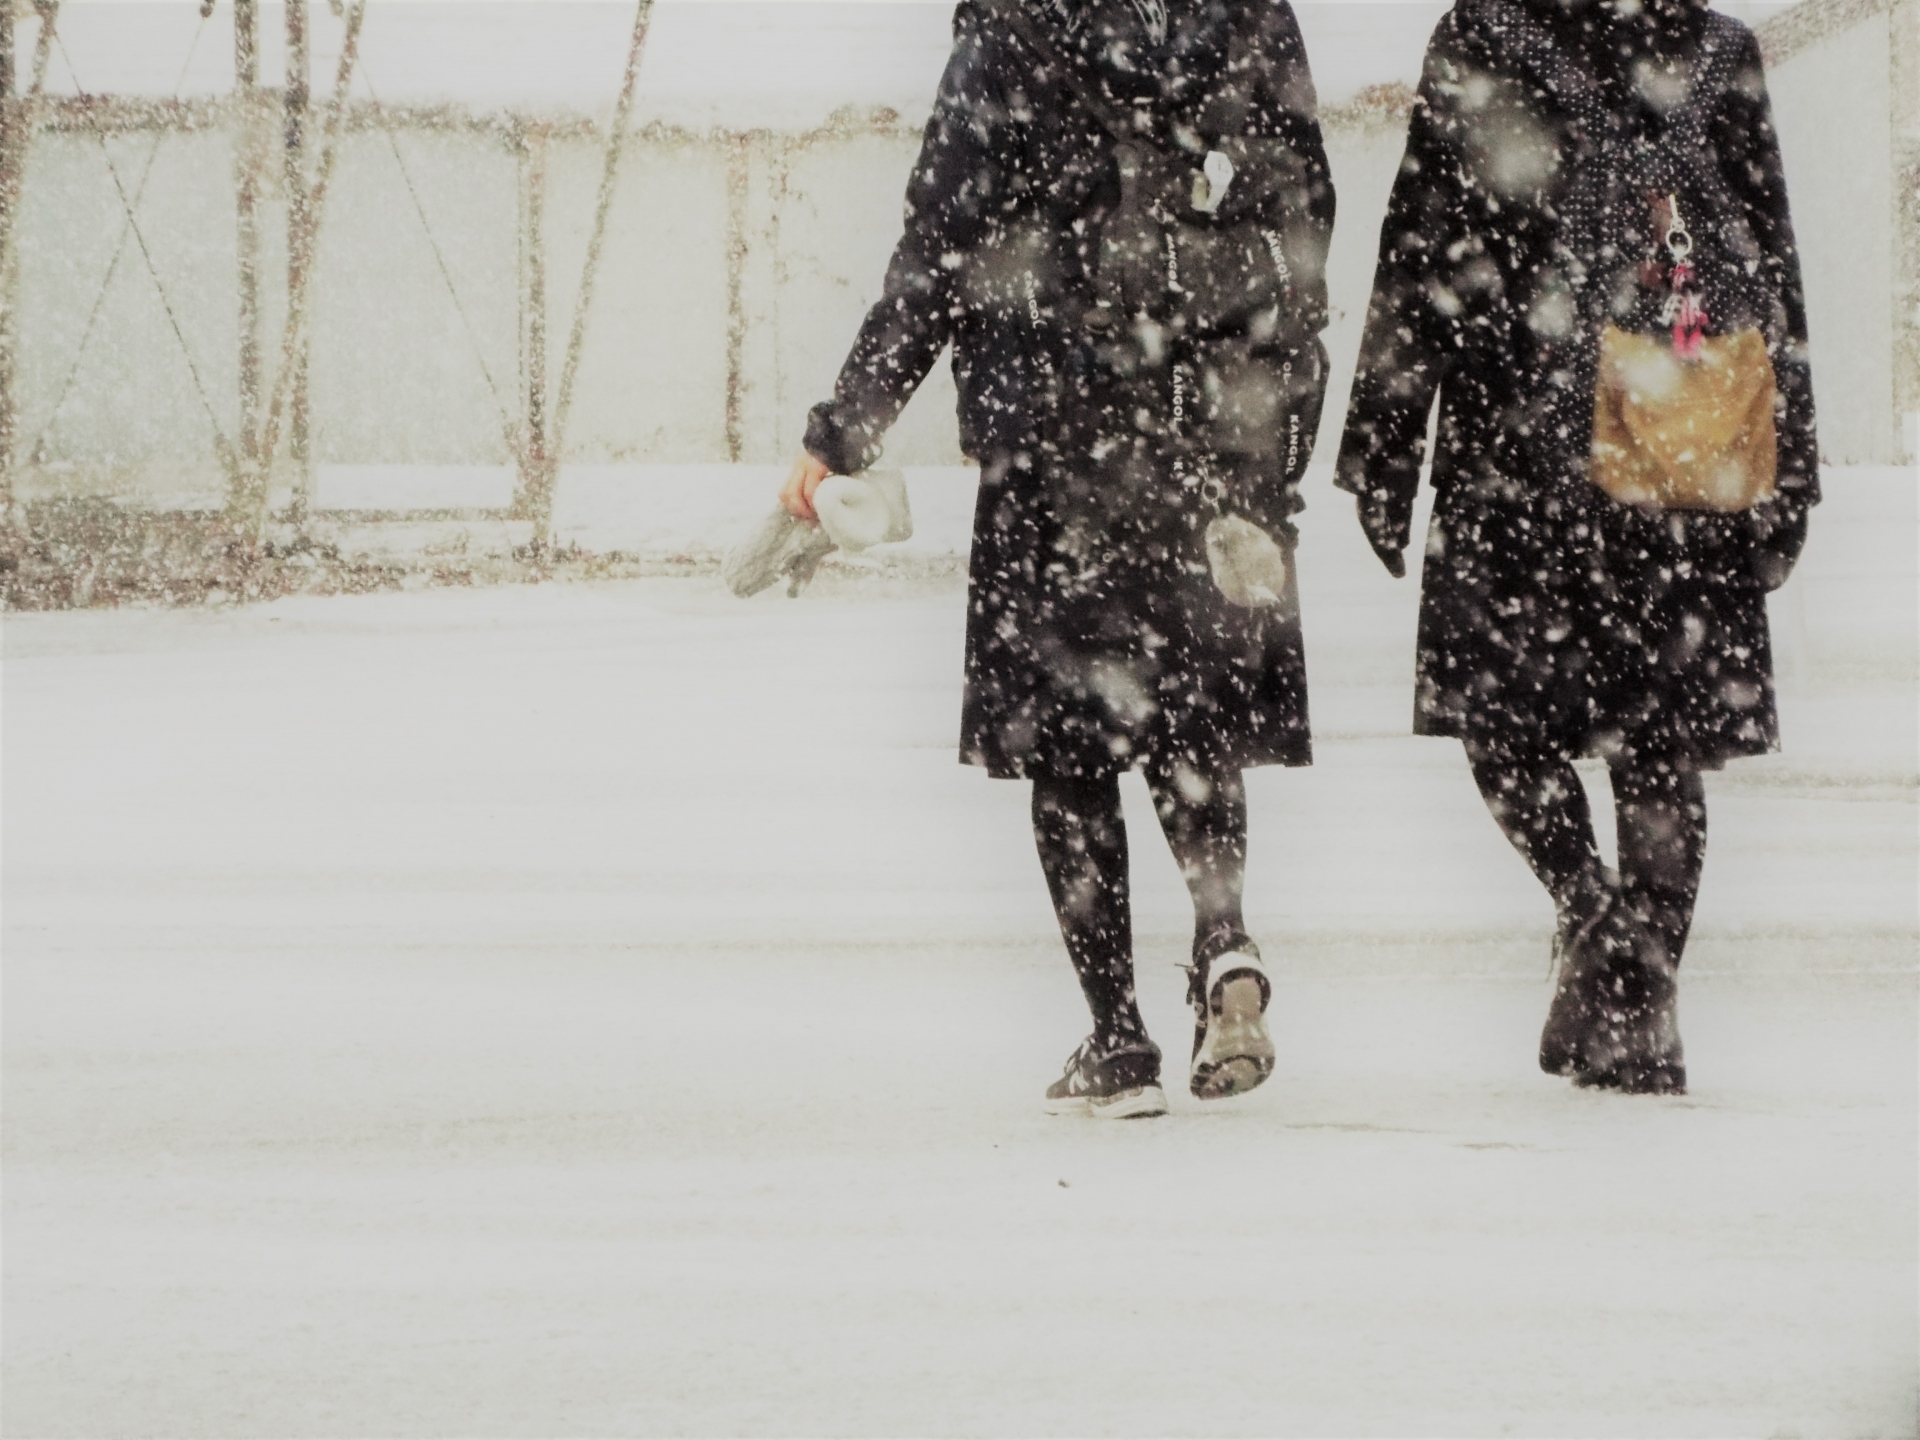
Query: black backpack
x,y
1629,210
1190,335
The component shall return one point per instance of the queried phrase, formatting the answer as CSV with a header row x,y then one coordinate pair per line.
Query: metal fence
x,y
153,252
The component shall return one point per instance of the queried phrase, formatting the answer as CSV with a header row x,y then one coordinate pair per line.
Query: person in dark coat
x,y
1081,665
1556,622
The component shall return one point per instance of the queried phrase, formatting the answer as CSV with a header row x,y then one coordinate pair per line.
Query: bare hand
x,y
797,493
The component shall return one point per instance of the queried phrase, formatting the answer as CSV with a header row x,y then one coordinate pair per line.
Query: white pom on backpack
x,y
1247,564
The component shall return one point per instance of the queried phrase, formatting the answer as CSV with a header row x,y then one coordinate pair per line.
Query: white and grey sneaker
x,y
1118,1084
1232,1051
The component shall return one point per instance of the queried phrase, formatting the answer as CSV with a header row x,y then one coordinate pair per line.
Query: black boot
x,y
1613,1022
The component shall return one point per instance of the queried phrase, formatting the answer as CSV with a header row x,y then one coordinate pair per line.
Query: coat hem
x,y
1002,770
1591,747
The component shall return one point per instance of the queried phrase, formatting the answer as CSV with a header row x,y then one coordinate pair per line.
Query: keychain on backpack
x,y
1683,310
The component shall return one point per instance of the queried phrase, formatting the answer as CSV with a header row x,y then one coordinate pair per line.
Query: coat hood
x,y
1608,43
1631,24
1616,12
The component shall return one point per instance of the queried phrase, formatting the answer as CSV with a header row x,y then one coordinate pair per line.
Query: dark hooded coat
x,y
1551,616
1071,668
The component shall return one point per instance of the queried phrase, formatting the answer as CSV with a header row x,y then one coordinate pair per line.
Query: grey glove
x,y
1386,520
1247,564
778,548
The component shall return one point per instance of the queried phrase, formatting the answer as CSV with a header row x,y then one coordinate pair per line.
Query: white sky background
x,y
734,62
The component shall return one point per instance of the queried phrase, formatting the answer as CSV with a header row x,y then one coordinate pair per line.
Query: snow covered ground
x,y
608,1009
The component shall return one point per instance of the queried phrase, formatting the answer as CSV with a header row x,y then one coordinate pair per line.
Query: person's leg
x,y
1539,804
1660,810
1612,1018
1081,835
1204,817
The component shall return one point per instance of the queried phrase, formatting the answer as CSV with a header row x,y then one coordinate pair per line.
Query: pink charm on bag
x,y
1689,327
1682,311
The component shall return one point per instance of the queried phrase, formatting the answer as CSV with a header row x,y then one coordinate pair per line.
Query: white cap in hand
x,y
859,511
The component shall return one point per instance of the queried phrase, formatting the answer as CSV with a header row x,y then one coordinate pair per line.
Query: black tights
x,y
1660,816
1082,838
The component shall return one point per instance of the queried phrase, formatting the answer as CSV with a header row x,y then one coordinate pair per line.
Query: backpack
x,y
1669,371
1189,337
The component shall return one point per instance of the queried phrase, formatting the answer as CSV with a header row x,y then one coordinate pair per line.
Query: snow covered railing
x,y
1845,82
1785,35
738,262
445,280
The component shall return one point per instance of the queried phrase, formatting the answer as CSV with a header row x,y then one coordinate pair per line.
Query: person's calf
x,y
1080,834
1661,816
1203,814
1541,807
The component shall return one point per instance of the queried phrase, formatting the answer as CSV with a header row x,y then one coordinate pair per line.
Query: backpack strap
x,y
1585,208
1581,93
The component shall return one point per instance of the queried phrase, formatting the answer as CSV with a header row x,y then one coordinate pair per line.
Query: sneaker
x,y
1232,1051
1613,1023
1118,1084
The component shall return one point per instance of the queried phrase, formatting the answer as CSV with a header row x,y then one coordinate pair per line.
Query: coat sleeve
x,y
1409,340
1748,149
1286,108
950,197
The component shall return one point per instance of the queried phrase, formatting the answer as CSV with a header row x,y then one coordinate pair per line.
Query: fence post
x,y
12,151
299,99
1904,23
533,495
779,171
247,486
739,154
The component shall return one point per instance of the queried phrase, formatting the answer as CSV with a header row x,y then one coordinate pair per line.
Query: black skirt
x,y
1081,666
1551,619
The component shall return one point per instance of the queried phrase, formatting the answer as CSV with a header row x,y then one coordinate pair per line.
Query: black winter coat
x,y
1551,616
1064,677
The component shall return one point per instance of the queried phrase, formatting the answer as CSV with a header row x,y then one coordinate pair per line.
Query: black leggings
x,y
1660,816
1082,838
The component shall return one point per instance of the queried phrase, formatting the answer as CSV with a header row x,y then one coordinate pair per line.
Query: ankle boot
x,y
1613,1021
